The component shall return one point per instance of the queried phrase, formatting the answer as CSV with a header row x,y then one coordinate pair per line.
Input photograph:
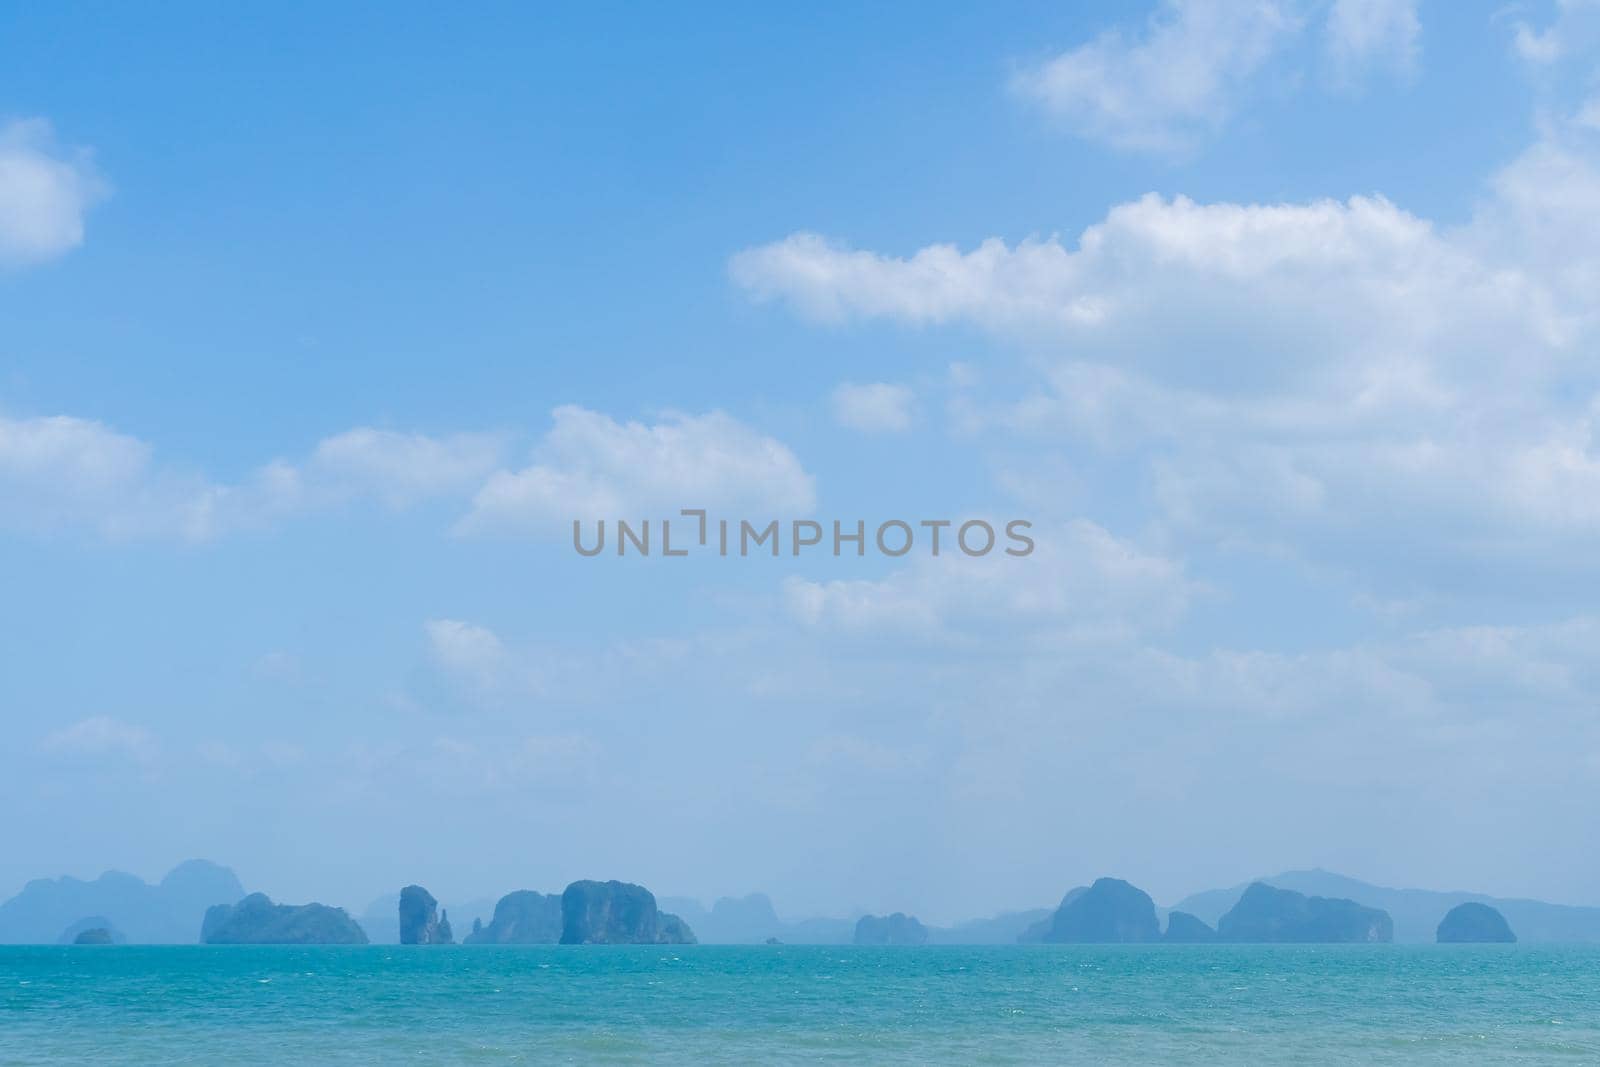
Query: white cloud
x,y
1079,578
401,468
1196,63
1372,33
1285,371
101,736
876,407
61,472
462,646
45,192
1181,78
1574,30
591,466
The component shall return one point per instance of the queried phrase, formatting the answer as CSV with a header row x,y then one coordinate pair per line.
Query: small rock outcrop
x,y
896,929
420,923
1474,924
95,935
1267,914
522,918
1186,929
1110,911
617,913
96,924
256,920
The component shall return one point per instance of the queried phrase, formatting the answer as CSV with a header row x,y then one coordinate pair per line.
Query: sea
x,y
386,1004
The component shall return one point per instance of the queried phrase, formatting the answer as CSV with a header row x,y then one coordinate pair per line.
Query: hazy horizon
x,y
452,897
1277,321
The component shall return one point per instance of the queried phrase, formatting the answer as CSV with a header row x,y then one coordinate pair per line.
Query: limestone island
x,y
617,913
420,920
1267,914
256,920
1467,924
1110,911
1186,929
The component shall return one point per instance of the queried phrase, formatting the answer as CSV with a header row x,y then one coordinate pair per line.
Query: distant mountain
x,y
168,913
1416,912
746,920
1002,929
820,931
256,920
752,920
896,929
1268,914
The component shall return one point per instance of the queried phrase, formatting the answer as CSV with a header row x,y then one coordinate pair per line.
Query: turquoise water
x,y
386,1004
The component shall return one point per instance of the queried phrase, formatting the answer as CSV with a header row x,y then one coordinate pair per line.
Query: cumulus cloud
x,y
590,466
60,471
876,407
45,193
1285,369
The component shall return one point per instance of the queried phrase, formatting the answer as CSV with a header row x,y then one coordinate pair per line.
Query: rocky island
x,y
99,929
420,922
256,920
617,913
1474,924
1186,929
522,917
896,929
1268,914
1109,911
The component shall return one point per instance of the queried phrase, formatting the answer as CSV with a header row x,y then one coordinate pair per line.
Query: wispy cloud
x,y
1195,64
102,735
591,466
874,407
1160,90
62,472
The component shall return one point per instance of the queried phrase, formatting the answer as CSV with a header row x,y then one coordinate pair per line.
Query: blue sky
x,y
1276,319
